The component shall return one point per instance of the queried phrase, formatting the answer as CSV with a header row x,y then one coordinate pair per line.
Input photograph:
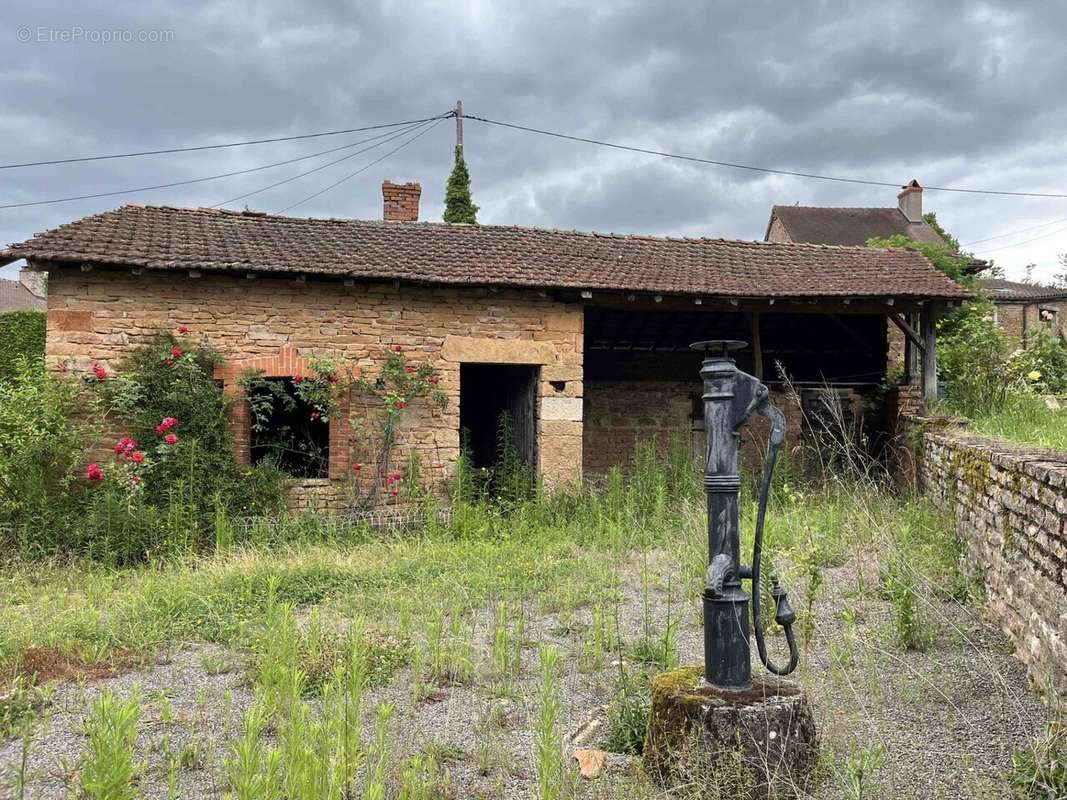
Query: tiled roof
x,y
849,226
1002,290
159,237
16,297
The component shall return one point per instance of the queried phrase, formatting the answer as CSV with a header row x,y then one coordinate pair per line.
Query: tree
x,y
458,205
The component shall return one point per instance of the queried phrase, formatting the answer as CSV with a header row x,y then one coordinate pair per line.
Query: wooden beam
x,y
928,326
909,332
757,348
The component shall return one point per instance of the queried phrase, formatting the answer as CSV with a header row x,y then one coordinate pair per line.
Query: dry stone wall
x,y
1010,505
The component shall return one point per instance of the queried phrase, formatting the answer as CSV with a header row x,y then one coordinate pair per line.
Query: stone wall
x,y
100,315
1010,505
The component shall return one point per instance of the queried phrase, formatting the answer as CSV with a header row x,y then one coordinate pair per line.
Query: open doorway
x,y
498,423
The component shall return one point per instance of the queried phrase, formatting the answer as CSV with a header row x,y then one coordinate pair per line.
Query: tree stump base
x,y
757,743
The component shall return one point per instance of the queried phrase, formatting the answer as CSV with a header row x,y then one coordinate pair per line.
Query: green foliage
x,y
1043,364
1039,770
946,257
1024,418
974,359
107,771
856,774
628,713
548,735
458,204
21,338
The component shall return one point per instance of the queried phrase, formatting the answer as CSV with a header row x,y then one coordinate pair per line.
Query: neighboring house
x,y
1022,308
25,294
584,337
856,226
853,226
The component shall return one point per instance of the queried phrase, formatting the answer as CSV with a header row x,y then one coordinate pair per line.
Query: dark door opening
x,y
488,393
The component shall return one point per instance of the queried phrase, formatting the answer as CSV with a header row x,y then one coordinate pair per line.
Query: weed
x,y
20,705
856,775
547,735
899,587
107,770
1039,770
628,713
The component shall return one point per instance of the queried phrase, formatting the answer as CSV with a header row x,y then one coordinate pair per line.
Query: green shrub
x,y
974,360
1043,364
21,338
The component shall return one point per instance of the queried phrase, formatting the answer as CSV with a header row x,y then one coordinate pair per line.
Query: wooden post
x,y
928,325
757,348
911,354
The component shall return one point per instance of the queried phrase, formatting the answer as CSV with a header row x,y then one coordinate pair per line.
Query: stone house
x,y
1022,308
582,336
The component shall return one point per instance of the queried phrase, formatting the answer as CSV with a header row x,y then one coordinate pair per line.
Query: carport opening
x,y
498,424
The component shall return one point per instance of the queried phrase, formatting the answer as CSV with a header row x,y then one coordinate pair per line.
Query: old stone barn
x,y
583,337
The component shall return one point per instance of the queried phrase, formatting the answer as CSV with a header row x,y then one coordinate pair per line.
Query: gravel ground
x,y
945,718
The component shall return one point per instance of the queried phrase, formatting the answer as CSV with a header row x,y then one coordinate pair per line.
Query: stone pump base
x,y
758,743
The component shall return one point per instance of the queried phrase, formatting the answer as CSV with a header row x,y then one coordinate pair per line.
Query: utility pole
x,y
459,123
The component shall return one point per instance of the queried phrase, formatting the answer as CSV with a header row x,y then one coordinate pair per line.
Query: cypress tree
x,y
458,205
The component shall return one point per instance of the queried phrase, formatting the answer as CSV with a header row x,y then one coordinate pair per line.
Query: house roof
x,y
1016,291
16,297
849,226
160,237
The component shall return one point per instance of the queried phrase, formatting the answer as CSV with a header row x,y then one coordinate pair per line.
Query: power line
x,y
190,181
750,167
364,168
388,138
1024,241
220,146
1013,233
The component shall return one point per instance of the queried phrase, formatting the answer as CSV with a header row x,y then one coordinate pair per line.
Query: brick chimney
x,y
36,282
401,201
910,201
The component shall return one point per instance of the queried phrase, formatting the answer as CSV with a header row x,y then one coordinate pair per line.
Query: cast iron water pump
x,y
730,398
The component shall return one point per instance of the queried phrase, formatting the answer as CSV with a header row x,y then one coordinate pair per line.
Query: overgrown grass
x,y
1025,419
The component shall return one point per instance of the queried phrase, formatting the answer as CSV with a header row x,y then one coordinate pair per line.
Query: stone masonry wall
x,y
99,316
1010,505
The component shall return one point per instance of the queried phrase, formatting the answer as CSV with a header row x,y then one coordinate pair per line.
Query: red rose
x,y
331,378
298,379
137,456
401,404
125,446
183,329
170,438
433,379
176,352
170,362
135,480
99,372
395,492
314,415
396,476
409,370
166,425
357,467
399,349
94,473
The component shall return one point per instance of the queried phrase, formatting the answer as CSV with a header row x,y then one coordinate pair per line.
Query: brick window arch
x,y
286,363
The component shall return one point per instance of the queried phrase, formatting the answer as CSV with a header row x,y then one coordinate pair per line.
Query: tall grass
x,y
1025,419
108,771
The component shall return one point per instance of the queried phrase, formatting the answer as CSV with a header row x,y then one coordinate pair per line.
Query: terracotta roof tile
x,y
1006,291
849,226
160,237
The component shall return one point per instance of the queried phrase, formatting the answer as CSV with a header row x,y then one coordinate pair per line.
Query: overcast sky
x,y
961,94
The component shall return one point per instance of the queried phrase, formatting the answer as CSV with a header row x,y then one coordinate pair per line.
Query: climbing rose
x,y
183,329
399,349
166,425
298,379
135,480
125,446
176,352
357,467
409,370
433,379
94,473
401,404
314,415
99,372
137,456
170,438
395,492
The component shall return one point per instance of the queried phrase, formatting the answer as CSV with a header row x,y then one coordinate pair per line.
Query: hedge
x,y
21,335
